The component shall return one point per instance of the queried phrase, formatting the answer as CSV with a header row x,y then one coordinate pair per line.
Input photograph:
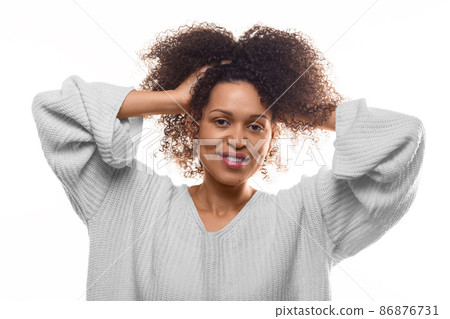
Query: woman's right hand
x,y
183,93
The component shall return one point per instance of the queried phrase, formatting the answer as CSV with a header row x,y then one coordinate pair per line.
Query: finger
x,y
204,68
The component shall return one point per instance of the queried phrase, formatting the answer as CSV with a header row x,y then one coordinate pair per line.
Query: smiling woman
x,y
222,239
195,60
234,117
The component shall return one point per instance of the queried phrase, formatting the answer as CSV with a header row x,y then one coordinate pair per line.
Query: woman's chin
x,y
235,182
230,176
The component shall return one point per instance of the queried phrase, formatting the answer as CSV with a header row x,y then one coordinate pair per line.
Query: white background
x,y
393,53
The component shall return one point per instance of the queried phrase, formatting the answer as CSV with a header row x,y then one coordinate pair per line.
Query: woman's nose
x,y
236,143
236,140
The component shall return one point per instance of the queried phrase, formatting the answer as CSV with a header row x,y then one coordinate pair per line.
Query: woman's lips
x,y
233,164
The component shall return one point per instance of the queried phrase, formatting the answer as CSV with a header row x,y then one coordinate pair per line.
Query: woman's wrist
x,y
181,100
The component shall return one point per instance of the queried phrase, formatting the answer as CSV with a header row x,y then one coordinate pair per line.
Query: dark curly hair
x,y
287,71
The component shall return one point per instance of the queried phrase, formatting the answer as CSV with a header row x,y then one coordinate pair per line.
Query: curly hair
x,y
285,68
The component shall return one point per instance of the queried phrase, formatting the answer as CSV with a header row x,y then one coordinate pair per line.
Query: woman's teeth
x,y
234,159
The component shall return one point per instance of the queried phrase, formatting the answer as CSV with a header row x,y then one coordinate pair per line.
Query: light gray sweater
x,y
147,241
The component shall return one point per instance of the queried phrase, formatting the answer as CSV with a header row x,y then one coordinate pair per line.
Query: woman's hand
x,y
183,93
141,103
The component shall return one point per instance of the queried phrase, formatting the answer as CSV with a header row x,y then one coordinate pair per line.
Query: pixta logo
x,y
149,141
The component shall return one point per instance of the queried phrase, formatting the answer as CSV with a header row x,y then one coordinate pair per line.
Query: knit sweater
x,y
148,242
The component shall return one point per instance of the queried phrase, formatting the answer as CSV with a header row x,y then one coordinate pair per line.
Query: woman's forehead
x,y
236,99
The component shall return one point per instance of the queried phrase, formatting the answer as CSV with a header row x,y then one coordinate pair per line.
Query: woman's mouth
x,y
236,161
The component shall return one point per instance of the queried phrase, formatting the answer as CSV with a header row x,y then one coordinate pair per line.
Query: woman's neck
x,y
220,199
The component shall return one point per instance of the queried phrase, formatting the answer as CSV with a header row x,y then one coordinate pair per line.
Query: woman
x,y
222,239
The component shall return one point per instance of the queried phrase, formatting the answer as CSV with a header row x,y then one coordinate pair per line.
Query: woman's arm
x,y
330,124
374,177
140,103
372,182
83,141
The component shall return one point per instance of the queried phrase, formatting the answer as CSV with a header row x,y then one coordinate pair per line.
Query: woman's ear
x,y
274,129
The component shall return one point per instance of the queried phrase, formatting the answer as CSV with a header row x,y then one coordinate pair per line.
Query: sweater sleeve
x,y
373,180
83,140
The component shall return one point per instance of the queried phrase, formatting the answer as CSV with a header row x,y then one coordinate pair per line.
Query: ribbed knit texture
x,y
147,241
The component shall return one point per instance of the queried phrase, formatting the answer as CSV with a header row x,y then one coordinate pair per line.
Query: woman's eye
x,y
257,127
223,122
220,121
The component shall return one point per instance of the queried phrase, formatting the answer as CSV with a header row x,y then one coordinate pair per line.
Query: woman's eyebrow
x,y
231,114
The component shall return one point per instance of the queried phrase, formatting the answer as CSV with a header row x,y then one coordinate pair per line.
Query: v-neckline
x,y
231,224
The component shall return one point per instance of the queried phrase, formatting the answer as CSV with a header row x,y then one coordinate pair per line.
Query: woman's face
x,y
231,128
